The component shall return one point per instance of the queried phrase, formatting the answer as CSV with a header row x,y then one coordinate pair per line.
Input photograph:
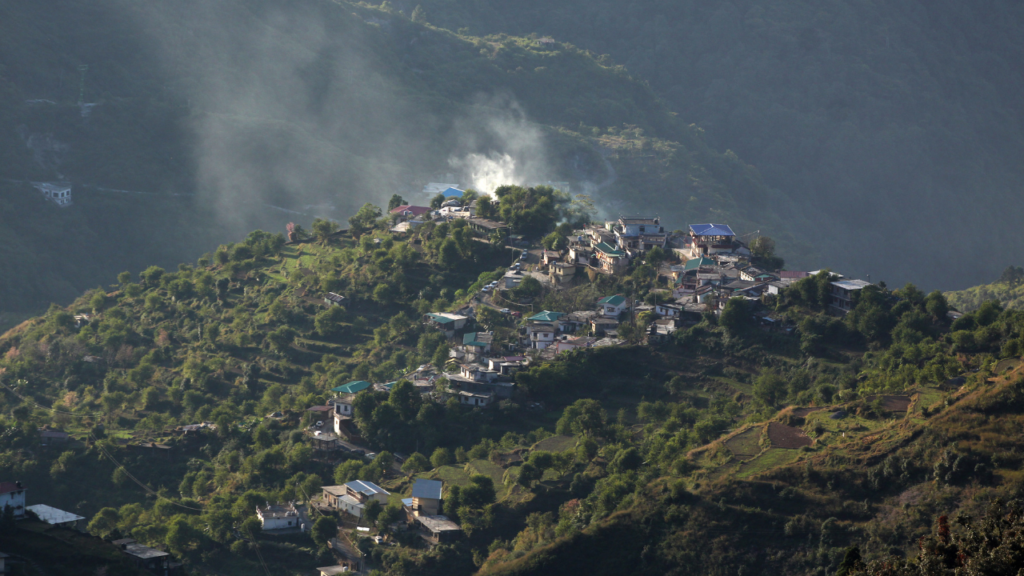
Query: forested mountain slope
x,y
894,127
246,108
726,446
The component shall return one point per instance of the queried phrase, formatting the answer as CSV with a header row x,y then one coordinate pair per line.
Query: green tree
x,y
554,241
323,530
437,201
735,318
448,256
397,200
415,464
388,516
152,275
281,338
328,322
441,355
322,229
528,474
441,457
364,220
124,278
529,287
583,417
372,511
762,247
770,388
104,523
181,538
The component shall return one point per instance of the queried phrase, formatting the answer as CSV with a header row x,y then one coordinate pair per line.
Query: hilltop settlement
x,y
428,391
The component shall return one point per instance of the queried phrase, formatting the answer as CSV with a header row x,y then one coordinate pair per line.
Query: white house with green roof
x,y
612,306
546,316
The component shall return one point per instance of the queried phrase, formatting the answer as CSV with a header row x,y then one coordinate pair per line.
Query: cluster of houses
x,y
13,496
408,217
422,509
715,266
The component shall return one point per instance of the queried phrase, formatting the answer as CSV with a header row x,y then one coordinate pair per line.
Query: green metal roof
x,y
352,387
546,316
695,263
612,300
604,247
470,340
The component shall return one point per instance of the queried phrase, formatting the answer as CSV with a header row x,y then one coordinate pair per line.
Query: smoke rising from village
x,y
290,112
514,149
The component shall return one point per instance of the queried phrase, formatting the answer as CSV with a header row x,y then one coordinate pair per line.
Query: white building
x,y
56,192
13,494
280,516
354,496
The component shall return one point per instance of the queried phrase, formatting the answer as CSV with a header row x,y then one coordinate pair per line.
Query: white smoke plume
x,y
502,146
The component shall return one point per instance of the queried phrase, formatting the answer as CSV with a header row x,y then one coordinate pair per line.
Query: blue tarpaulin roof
x,y
711,230
452,193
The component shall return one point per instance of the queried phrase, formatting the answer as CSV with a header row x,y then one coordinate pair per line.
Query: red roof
x,y
414,210
6,487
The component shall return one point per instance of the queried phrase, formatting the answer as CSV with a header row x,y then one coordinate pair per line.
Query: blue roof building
x,y
424,488
452,193
711,230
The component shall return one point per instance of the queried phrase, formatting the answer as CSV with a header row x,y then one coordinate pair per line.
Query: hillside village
x,y
490,336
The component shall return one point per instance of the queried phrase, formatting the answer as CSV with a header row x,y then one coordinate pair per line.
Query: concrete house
x,y
540,335
639,234
708,239
426,498
58,193
280,516
477,344
332,299
445,322
407,211
841,301
668,309
353,497
13,494
610,260
612,306
156,561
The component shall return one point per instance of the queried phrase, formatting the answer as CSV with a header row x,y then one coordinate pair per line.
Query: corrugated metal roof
x,y
52,515
366,487
546,316
424,488
615,300
711,230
